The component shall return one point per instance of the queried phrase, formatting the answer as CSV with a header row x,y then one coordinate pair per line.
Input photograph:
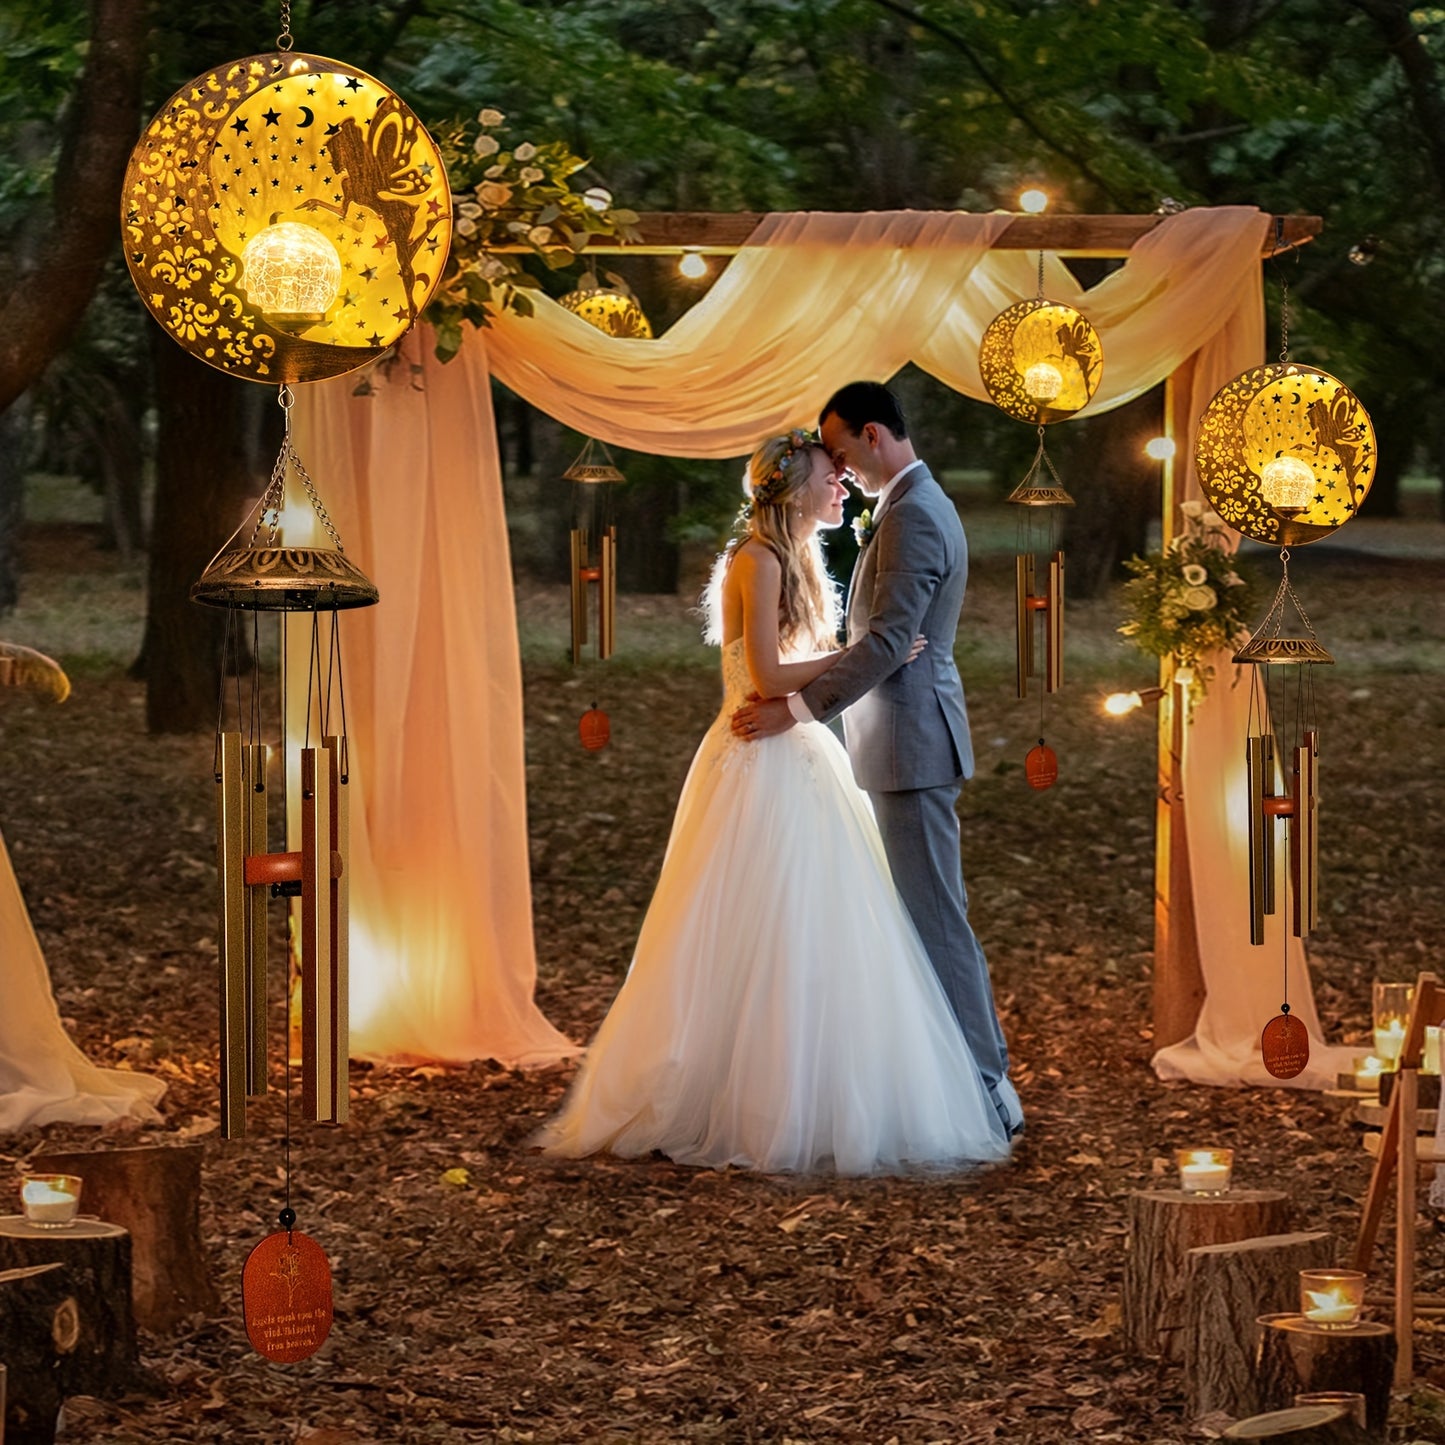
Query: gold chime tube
x,y
579,592
1054,625
318,1042
231,816
607,596
1024,620
1259,763
340,892
253,778
1305,836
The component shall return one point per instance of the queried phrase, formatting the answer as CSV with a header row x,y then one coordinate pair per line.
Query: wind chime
x,y
1041,361
1286,455
285,218
593,564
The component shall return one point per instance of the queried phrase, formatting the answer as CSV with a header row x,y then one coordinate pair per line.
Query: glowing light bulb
x,y
292,273
1287,484
1160,448
1118,704
1043,381
693,266
1033,201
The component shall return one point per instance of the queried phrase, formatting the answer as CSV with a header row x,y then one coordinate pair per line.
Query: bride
x,y
780,1012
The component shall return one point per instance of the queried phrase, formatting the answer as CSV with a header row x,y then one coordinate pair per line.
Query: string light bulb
x,y
692,265
1034,201
1160,449
292,272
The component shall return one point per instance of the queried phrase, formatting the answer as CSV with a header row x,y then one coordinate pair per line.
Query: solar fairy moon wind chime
x,y
1286,455
285,218
1041,362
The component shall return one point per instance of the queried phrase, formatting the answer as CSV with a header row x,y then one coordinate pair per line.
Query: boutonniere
x,y
863,528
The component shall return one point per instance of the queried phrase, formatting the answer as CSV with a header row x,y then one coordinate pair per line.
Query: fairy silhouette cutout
x,y
376,174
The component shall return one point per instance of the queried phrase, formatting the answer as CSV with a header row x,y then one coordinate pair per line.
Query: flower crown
x,y
766,491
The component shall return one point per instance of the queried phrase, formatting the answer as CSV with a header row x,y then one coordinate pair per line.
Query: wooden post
x,y
102,1359
1296,1356
154,1193
1178,977
1163,1227
1226,1286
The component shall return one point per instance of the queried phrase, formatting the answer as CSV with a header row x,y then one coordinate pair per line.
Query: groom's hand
x,y
762,717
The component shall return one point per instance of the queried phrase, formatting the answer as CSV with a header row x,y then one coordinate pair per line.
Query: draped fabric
x,y
44,1078
443,952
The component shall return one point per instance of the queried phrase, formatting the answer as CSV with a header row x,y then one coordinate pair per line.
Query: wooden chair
x,y
1400,1150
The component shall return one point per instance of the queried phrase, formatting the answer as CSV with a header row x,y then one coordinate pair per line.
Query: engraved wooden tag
x,y
1285,1044
1041,767
286,1296
594,729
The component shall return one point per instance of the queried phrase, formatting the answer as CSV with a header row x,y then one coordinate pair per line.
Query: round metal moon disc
x,y
1039,332
610,312
1285,410
285,138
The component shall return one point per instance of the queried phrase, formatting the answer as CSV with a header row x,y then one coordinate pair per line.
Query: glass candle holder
x,y
50,1201
1204,1171
1331,1299
1391,1008
1430,1059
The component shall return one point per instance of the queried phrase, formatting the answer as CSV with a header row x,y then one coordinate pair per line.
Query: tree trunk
x,y
37,1334
1225,1288
14,458
1163,1227
1295,1357
202,482
153,1192
101,1358
50,294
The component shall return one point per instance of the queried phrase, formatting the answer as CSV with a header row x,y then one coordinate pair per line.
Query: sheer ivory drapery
x,y
44,1078
442,953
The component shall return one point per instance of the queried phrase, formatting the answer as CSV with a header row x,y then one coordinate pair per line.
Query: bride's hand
x,y
919,643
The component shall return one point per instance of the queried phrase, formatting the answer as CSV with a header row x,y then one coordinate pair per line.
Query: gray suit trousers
x,y
921,838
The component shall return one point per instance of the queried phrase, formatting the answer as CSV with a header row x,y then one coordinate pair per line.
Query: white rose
x,y
1195,575
470,210
493,268
525,151
493,194
539,235
490,117
1201,599
466,227
531,175
486,145
598,198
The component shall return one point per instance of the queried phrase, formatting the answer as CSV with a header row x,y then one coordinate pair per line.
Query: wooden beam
x,y
667,233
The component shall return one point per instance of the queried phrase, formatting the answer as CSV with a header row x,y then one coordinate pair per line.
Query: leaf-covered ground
x,y
611,1301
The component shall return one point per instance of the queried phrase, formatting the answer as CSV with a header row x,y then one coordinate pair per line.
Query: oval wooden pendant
x,y
1041,767
594,729
286,1296
1285,1044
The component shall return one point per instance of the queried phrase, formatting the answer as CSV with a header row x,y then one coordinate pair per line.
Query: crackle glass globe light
x,y
292,272
1287,484
1043,381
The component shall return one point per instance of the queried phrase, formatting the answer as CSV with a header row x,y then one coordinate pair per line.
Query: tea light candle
x,y
50,1200
1367,1074
1331,1299
1204,1171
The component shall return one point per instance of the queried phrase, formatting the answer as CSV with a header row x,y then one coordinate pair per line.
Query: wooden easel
x,y
1400,1152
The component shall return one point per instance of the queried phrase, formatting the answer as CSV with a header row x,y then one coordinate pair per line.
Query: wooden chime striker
x,y
594,547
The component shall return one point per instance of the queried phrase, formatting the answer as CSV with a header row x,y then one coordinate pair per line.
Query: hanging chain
x,y
1284,321
1041,276
283,40
275,495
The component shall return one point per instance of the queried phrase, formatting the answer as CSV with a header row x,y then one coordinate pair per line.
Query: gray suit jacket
x,y
906,727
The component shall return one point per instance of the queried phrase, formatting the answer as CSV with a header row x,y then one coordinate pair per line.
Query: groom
x,y
906,726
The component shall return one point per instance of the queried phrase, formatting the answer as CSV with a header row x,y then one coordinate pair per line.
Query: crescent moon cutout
x,y
310,116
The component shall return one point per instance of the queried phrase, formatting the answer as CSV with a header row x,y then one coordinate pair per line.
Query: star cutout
x,y
353,83
238,125
341,103
271,117
433,207
400,313
369,274
373,340
332,129
426,168
348,300
381,243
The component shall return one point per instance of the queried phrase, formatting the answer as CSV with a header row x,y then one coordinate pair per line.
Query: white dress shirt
x,y
796,705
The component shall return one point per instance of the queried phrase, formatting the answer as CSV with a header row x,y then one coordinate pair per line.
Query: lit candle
x,y
1389,1038
1367,1074
50,1200
1331,1298
1204,1171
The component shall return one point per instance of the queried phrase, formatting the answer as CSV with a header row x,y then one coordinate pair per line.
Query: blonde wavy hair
x,y
808,606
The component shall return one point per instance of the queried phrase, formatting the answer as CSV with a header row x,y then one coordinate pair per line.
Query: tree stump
x,y
154,1193
38,1332
1295,1356
1164,1225
1303,1425
96,1257
1225,1288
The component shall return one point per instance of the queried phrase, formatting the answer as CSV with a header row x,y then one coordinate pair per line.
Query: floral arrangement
x,y
506,194
1189,599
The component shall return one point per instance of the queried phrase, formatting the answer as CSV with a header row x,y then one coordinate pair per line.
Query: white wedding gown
x,y
780,1012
